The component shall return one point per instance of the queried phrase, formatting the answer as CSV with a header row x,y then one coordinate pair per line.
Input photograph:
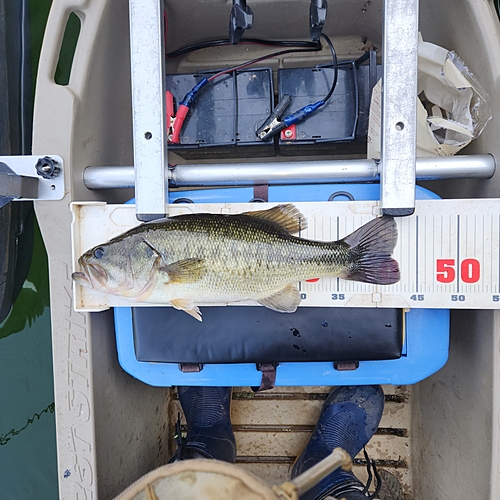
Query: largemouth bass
x,y
218,258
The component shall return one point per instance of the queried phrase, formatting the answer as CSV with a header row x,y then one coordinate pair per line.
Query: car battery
x,y
341,125
223,119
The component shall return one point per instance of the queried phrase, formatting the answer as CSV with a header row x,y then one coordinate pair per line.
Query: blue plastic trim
x,y
427,330
316,192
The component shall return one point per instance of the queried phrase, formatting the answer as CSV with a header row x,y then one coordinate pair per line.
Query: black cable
x,y
299,115
335,67
191,96
259,59
378,481
368,469
223,42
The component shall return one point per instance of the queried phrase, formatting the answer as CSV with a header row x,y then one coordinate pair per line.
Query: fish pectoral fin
x,y
184,271
286,216
188,307
285,300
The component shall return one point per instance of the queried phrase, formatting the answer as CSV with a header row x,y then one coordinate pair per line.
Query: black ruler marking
x,y
416,259
338,237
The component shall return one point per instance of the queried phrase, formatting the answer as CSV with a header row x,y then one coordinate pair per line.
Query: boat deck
x,y
272,427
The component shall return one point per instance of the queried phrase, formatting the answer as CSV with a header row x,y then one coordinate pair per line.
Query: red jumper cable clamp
x,y
170,114
183,110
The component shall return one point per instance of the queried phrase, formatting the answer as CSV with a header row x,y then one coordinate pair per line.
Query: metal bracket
x,y
13,186
27,178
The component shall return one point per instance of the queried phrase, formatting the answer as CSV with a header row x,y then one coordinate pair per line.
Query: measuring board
x,y
448,251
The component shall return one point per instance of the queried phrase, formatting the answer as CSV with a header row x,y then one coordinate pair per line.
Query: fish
x,y
191,259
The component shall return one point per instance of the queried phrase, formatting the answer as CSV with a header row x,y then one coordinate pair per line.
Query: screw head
x,y
288,133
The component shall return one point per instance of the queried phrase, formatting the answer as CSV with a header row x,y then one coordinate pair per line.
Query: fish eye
x,y
99,253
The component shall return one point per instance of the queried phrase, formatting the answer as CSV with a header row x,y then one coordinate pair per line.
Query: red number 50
x,y
470,270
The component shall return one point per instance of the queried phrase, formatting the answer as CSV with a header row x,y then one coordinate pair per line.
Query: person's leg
x,y
209,431
348,420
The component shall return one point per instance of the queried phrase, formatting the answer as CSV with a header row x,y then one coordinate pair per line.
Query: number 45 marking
x,y
470,270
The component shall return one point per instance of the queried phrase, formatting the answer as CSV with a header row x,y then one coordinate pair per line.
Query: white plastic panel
x,y
48,189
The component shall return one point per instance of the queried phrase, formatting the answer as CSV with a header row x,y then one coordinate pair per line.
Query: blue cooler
x,y
254,346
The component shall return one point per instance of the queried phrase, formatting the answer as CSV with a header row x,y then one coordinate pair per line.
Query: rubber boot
x,y
348,420
209,431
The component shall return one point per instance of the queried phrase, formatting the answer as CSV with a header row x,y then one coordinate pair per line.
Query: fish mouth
x,y
92,275
81,279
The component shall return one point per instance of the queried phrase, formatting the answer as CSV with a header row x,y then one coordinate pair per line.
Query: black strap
x,y
268,376
261,192
344,366
190,367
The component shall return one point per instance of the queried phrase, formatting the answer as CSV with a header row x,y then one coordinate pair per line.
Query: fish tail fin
x,y
371,248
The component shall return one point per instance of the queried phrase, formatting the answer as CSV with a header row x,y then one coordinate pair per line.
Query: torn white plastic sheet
x,y
452,107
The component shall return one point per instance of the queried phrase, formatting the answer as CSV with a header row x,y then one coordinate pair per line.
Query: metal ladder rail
x,y
399,107
397,188
147,54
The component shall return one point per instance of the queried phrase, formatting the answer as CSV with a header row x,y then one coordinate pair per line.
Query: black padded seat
x,y
247,334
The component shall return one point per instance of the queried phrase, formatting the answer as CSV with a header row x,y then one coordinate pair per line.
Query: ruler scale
x,y
448,251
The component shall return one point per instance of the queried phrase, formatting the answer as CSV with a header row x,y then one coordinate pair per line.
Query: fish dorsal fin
x,y
286,216
285,300
184,271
